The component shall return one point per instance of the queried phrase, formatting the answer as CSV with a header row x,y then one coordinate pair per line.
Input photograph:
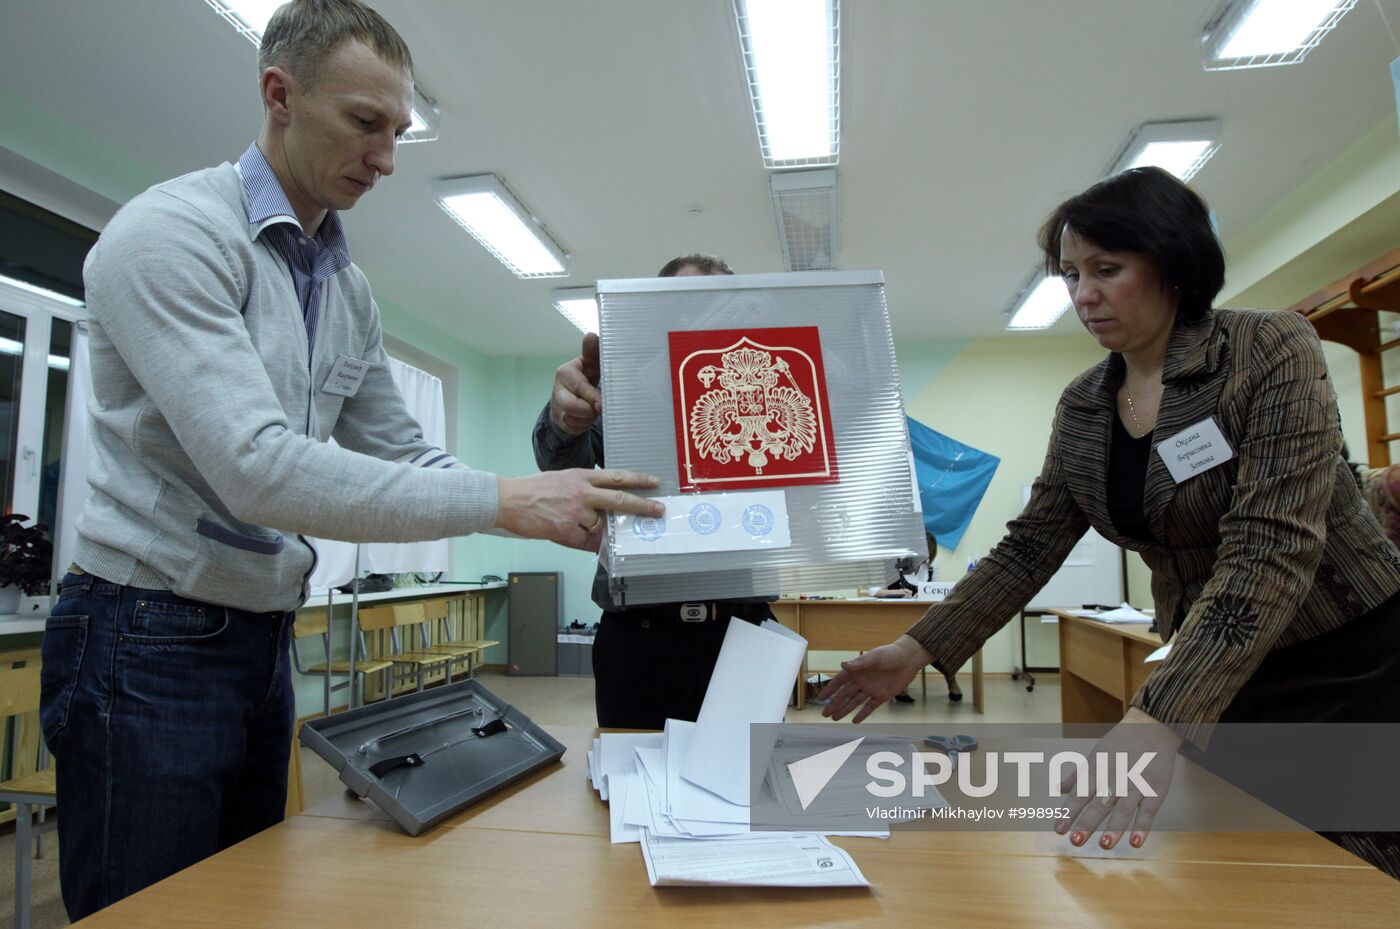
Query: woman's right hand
x,y
873,678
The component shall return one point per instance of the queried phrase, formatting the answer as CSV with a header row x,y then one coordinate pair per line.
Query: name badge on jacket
x,y
1195,450
347,374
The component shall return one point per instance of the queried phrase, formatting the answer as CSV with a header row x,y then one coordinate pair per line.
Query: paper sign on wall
x,y
751,409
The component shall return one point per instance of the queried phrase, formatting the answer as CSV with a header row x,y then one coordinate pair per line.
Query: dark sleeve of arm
x,y
1036,544
1272,537
556,449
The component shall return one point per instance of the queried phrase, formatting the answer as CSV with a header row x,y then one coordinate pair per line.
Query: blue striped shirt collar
x,y
267,204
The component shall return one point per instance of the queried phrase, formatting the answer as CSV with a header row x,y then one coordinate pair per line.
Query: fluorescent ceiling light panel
x,y
250,18
579,305
1180,147
1267,33
486,208
40,291
804,203
792,56
1040,306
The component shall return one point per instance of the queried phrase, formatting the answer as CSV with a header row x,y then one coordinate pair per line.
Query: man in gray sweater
x,y
231,336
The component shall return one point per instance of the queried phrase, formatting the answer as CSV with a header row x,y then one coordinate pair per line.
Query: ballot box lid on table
x,y
423,757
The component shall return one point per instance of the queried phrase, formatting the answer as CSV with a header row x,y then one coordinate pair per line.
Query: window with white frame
x,y
36,341
42,478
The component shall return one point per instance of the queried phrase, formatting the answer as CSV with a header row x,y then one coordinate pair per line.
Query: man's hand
x,y
873,678
576,404
568,506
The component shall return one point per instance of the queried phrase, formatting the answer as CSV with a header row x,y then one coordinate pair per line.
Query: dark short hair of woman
x,y
1150,212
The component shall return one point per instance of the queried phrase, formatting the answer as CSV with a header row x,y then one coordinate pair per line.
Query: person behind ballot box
x,y
1208,441
231,337
650,663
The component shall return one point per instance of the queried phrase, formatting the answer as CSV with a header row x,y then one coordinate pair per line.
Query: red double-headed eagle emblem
x,y
751,409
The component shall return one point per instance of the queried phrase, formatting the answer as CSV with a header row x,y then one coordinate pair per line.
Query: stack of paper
x,y
1122,614
684,793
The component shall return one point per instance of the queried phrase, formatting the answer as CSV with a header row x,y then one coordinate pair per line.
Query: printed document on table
x,y
780,860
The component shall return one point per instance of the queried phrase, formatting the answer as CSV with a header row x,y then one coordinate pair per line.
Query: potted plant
x,y
25,559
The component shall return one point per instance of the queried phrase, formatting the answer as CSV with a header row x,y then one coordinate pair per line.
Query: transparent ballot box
x,y
769,406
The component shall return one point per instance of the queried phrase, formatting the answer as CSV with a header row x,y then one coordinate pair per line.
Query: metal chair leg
x,y
39,834
23,865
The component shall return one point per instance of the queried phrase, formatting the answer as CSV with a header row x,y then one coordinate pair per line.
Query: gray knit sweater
x,y
210,426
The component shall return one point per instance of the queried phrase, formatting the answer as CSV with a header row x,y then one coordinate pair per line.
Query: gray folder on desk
x,y
420,757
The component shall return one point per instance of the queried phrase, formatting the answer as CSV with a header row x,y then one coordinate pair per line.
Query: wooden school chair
x,y
32,788
412,645
452,633
312,622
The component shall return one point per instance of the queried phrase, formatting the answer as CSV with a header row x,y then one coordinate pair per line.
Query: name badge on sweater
x,y
1195,449
347,374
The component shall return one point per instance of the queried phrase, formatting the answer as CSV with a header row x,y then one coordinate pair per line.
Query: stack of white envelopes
x,y
684,793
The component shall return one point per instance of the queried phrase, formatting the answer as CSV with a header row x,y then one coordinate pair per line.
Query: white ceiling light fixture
x,y
485,208
579,306
1040,304
792,58
804,204
1181,148
1269,33
250,18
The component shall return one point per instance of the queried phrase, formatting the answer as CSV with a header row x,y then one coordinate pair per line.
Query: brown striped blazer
x,y
1270,548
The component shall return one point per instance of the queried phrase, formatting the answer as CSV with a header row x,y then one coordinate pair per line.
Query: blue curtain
x,y
952,479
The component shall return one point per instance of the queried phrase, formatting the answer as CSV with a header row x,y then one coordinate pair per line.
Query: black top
x,y
1127,473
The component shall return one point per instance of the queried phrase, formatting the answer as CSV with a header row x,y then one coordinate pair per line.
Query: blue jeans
x,y
170,723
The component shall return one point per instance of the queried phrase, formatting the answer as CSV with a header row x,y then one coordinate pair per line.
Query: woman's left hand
x,y
1134,737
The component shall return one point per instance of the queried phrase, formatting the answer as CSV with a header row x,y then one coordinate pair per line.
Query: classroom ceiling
x,y
962,125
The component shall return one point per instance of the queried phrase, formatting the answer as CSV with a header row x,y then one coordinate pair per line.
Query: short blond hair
x,y
303,32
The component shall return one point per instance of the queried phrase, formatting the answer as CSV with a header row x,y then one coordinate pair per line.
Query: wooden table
x,y
857,626
538,855
1101,666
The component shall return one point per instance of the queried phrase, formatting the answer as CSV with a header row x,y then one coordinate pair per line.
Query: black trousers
x,y
1348,675
649,665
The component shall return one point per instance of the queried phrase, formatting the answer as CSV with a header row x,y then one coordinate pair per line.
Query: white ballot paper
x,y
751,683
692,834
779,860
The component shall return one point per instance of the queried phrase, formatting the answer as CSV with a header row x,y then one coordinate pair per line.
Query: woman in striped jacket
x,y
1209,442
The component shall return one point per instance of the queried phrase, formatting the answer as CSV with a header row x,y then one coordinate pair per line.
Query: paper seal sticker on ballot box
x,y
769,406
